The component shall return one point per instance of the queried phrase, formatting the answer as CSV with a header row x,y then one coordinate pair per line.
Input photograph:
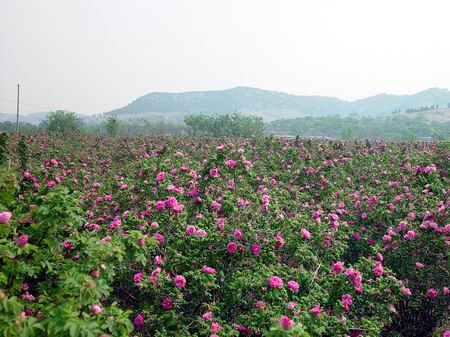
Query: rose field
x,y
165,236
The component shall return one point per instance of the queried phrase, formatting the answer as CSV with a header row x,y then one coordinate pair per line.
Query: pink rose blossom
x,y
275,282
138,277
214,172
338,267
139,320
346,301
294,286
261,305
406,291
4,217
171,202
410,235
256,249
286,323
315,310
432,293
238,234
96,309
306,234
159,237
160,205
157,260
208,270
216,206
378,270
23,240
215,327
231,163
166,303
201,233
160,177
180,281
154,276
232,247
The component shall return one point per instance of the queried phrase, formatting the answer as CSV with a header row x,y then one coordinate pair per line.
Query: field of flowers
x,y
140,236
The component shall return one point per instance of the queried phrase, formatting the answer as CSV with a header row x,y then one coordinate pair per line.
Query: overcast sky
x,y
91,56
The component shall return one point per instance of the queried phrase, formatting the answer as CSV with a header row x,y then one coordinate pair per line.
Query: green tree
x,y
112,125
410,135
62,121
347,133
235,125
197,123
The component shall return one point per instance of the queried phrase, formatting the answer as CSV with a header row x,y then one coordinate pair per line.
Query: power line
x,y
33,105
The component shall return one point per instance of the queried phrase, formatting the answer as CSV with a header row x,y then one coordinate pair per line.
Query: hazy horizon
x,y
92,57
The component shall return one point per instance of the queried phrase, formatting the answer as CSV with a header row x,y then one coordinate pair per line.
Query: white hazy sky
x,y
91,56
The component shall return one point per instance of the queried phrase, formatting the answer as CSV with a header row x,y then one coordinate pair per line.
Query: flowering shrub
x,y
190,237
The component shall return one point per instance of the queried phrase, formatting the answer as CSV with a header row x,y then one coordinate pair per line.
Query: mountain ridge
x,y
271,104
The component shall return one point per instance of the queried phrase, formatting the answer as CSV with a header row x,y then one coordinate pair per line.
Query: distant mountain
x,y
385,103
271,104
33,118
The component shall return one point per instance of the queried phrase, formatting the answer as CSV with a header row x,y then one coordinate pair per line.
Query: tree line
x,y
236,125
357,127
422,108
397,127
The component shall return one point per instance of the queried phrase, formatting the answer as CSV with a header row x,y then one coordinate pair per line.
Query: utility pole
x,y
17,120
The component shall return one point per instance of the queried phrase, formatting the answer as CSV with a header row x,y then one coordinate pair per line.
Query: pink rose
x,y
23,240
138,320
306,234
232,247
96,309
180,281
286,323
275,282
4,217
293,286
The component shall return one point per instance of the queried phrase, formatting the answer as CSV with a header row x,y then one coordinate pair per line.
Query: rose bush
x,y
119,236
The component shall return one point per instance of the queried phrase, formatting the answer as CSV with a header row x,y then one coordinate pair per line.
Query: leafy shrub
x,y
61,121
187,237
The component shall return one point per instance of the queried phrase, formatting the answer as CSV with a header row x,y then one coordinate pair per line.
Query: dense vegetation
x,y
158,236
398,127
61,121
24,127
356,127
235,125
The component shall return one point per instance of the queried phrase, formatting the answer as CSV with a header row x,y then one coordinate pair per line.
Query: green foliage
x,y
65,302
23,126
62,121
23,152
105,240
112,125
398,127
8,187
14,323
235,125
4,147
347,133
